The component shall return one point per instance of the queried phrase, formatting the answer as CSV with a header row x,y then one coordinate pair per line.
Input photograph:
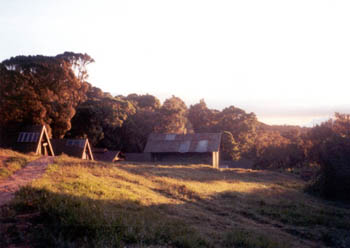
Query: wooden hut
x,y
194,148
79,148
27,139
105,155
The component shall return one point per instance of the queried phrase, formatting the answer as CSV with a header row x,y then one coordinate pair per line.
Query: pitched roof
x,y
195,142
25,139
72,147
102,154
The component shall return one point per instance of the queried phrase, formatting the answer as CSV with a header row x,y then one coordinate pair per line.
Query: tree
x,y
172,117
138,126
241,125
341,125
144,101
43,89
99,117
333,181
203,119
229,147
330,149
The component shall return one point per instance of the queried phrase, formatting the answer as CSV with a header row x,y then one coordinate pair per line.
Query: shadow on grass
x,y
46,219
313,220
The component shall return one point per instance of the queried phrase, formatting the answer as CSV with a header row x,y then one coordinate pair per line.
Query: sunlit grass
x,y
11,161
177,206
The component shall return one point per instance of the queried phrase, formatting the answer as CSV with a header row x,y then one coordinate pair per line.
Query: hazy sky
x,y
287,61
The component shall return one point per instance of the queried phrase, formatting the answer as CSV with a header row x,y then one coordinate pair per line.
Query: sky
x,y
286,61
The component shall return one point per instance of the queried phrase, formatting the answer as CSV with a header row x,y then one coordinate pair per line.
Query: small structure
x,y
33,138
195,148
79,148
138,157
103,154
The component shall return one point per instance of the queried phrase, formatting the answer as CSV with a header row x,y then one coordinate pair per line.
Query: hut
x,y
27,139
79,148
105,155
138,157
194,148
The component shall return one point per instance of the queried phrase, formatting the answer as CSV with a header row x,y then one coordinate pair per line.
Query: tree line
x,y
53,90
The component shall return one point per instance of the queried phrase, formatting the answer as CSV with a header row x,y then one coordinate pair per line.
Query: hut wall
x,y
138,157
194,158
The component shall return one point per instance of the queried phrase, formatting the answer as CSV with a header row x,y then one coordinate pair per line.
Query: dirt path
x,y
33,170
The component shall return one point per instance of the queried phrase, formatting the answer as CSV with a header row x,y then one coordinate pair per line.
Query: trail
x,y
33,170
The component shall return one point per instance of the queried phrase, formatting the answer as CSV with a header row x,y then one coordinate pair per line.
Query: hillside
x,y
83,204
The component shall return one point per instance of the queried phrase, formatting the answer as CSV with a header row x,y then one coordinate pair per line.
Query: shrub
x,y
333,180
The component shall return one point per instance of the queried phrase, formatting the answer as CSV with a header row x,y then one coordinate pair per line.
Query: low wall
x,y
193,158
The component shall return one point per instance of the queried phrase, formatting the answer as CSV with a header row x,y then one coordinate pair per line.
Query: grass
x,y
11,161
66,219
90,204
241,238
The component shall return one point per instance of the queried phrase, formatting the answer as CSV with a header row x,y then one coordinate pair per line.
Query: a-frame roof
x,y
72,147
26,139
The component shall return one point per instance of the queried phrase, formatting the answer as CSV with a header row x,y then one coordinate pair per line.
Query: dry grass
x,y
177,206
11,161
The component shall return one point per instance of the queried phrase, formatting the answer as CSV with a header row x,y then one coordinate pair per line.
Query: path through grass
x,y
11,161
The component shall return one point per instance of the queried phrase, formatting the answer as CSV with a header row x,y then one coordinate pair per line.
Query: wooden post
x,y
217,160
215,156
45,149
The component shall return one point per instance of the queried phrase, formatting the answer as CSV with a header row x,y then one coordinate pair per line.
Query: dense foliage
x,y
331,151
43,89
98,118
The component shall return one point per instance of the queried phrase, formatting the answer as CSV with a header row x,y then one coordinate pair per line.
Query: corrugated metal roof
x,y
196,142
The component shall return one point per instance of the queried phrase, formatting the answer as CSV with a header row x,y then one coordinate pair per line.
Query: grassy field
x,y
93,204
11,161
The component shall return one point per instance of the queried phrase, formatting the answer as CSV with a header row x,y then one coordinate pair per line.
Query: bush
x,y
333,181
